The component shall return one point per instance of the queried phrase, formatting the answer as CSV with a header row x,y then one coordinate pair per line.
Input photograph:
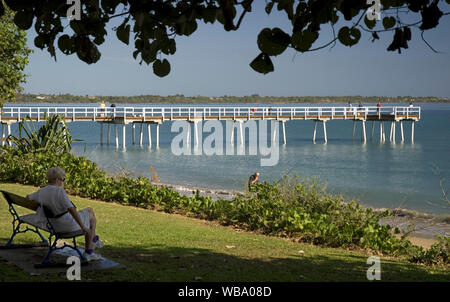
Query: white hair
x,y
55,173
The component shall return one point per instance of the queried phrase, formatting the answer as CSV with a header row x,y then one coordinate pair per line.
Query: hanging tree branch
x,y
158,23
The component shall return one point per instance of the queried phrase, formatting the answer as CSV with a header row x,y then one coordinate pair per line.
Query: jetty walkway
x,y
157,115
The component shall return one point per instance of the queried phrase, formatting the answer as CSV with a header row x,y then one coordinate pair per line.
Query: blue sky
x,y
213,62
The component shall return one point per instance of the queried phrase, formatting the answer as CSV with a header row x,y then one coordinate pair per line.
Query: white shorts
x,y
67,223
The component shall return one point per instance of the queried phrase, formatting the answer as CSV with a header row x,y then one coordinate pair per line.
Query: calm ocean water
x,y
377,174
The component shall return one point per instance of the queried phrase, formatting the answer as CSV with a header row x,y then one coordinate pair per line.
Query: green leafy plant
x,y
14,54
437,254
53,136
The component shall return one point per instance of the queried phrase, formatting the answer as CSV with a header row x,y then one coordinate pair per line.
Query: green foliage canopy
x,y
13,55
153,25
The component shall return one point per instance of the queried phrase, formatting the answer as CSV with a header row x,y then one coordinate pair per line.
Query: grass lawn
x,y
157,246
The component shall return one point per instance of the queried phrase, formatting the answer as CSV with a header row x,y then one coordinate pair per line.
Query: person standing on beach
x,y
252,181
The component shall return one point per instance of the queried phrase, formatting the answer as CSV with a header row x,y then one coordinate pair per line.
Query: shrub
x,y
437,254
53,136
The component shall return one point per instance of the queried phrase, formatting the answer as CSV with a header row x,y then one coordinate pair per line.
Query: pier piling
x,y
149,133
373,129
116,135
124,136
141,135
157,135
109,134
354,130
315,131
401,131
363,131
101,133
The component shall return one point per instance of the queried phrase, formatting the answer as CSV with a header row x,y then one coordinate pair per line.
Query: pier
x,y
145,117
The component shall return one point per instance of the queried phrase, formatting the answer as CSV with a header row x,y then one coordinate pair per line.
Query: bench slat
x,y
19,200
36,221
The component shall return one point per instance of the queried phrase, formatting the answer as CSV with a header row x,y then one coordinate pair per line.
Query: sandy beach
x,y
424,226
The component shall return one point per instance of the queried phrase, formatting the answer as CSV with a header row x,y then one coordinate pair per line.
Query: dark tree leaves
x,y
161,68
431,16
109,6
401,38
86,50
209,15
287,6
24,19
269,7
154,25
417,5
227,13
369,23
351,8
273,41
375,36
302,41
349,37
66,44
169,47
262,64
407,32
40,41
389,22
123,33
149,51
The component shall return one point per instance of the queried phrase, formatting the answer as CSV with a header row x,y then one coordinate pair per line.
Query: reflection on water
x,y
382,175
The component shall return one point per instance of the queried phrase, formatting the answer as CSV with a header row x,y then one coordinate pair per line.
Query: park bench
x,y
37,224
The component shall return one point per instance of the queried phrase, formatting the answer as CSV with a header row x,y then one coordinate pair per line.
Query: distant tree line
x,y
252,99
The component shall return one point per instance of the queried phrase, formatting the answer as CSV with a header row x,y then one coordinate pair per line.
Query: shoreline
x,y
204,191
425,226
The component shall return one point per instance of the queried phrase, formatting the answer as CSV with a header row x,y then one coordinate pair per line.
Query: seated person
x,y
67,219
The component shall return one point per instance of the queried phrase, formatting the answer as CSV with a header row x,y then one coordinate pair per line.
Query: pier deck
x,y
158,115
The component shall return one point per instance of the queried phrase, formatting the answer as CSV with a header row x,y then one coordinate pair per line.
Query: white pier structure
x,y
157,115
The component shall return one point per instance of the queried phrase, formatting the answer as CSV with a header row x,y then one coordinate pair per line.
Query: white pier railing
x,y
18,113
157,115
